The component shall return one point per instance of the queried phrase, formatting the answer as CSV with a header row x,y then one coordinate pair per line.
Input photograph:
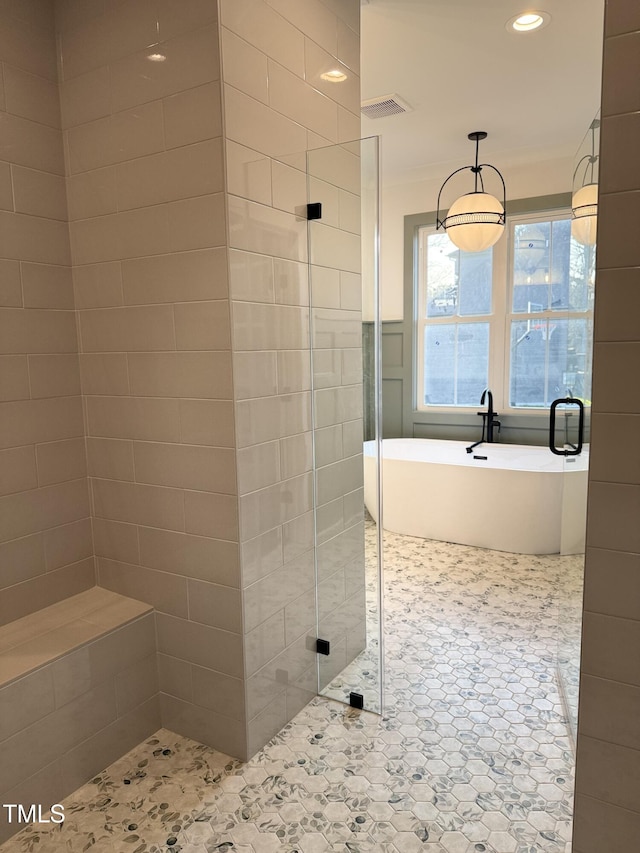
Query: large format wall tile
x,y
621,61
147,241
612,583
277,107
622,17
191,61
182,277
607,780
28,50
149,244
254,125
270,33
193,115
47,552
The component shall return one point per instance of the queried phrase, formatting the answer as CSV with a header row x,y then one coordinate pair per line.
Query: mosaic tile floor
x,y
472,755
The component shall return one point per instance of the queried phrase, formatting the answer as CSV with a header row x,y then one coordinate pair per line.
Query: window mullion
x,y
455,365
500,301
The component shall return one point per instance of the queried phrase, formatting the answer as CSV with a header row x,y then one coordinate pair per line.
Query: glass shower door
x,y
569,435
550,369
342,183
571,415
572,435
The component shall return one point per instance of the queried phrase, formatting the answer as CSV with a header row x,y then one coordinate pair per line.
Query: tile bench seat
x,y
78,688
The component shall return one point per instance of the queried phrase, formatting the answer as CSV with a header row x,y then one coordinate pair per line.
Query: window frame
x,y
499,320
548,314
421,321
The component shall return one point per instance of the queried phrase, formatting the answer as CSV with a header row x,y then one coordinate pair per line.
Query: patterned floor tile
x,y
472,754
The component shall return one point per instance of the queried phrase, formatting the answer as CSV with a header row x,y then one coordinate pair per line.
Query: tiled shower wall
x,y
45,530
144,130
607,813
141,113
335,179
276,107
140,139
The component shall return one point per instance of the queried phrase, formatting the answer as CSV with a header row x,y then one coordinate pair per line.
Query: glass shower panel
x,y
572,546
578,299
345,336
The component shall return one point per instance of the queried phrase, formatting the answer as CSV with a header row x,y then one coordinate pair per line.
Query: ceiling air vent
x,y
386,105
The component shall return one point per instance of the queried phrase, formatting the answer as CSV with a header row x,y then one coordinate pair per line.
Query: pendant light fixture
x,y
476,220
584,204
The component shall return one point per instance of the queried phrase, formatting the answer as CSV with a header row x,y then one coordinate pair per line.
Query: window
x,y
516,318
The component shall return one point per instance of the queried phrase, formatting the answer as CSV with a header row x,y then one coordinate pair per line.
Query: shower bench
x,y
78,689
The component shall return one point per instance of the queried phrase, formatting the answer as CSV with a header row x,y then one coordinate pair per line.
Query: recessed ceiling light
x,y
156,57
528,21
334,76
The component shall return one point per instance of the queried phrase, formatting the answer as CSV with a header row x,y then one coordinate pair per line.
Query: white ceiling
x,y
460,70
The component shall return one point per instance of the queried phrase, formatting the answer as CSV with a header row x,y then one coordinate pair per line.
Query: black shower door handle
x,y
566,401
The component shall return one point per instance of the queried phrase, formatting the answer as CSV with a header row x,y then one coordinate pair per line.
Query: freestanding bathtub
x,y
508,497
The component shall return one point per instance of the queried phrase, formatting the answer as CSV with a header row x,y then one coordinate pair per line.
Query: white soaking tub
x,y
519,498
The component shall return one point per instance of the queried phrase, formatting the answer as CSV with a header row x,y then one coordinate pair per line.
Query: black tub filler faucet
x,y
489,421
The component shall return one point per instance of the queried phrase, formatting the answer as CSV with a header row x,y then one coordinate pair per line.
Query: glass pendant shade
x,y
585,214
475,222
